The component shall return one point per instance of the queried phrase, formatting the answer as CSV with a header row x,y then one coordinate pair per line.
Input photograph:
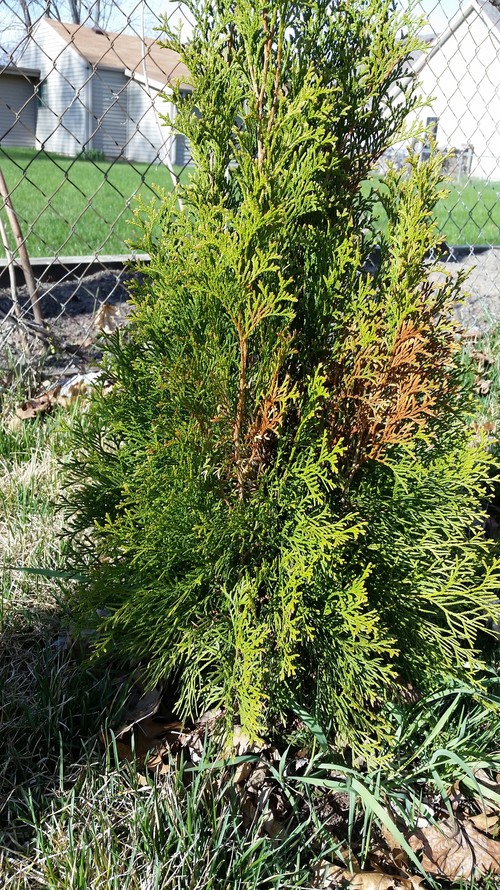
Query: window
x,y
42,93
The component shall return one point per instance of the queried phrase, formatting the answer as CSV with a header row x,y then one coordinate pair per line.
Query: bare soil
x,y
71,310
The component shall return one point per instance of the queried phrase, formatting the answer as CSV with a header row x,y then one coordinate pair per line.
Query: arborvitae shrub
x,y
278,500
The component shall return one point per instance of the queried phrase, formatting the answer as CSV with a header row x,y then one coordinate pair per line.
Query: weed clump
x,y
282,487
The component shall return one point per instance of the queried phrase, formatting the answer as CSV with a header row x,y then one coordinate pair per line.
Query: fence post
x,y
23,253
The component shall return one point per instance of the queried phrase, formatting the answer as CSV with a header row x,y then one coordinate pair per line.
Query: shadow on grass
x,y
53,705
72,817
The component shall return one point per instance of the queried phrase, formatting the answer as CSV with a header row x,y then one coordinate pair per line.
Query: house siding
x,y
182,152
149,137
103,108
62,124
109,112
462,77
18,107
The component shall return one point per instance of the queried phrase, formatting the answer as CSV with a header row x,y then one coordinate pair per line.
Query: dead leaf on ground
x,y
482,358
488,824
159,761
12,423
456,850
241,743
473,334
64,395
248,809
482,386
33,407
123,751
144,736
75,388
210,718
143,729
456,797
107,318
330,876
373,880
392,843
191,741
489,427
259,777
390,854
488,784
487,796
146,705
243,772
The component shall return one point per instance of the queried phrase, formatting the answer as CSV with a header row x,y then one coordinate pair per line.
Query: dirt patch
x,y
71,308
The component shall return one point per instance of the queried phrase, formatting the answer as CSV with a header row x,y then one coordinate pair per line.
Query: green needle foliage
x,y
282,490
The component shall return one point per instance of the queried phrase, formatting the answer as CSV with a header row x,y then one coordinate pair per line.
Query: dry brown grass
x,y
30,527
49,705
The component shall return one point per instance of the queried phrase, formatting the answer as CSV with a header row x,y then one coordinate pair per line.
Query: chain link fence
x,y
84,130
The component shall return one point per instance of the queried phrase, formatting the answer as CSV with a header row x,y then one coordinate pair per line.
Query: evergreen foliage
x,y
278,500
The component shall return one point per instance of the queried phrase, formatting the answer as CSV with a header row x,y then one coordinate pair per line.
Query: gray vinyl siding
x,y
182,149
17,111
182,153
63,118
143,135
149,133
110,112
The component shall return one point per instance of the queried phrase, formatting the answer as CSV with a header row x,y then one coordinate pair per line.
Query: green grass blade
x,y
50,573
370,802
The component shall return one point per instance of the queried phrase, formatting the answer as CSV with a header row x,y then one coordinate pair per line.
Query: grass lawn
x,y
79,207
471,213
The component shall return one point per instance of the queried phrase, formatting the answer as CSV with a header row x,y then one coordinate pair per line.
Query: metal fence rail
x,y
84,129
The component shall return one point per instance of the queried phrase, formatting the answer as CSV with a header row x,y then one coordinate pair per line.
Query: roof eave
x,y
147,81
25,72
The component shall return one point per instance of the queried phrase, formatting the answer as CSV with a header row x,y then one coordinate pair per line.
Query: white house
x,y
98,90
461,74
